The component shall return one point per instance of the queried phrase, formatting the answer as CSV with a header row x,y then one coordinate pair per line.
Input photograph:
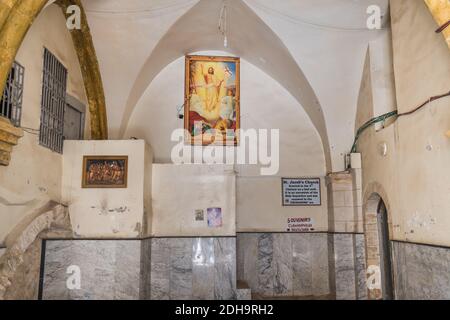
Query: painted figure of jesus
x,y
212,88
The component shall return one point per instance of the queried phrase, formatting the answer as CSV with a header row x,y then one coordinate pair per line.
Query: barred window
x,y
53,103
11,100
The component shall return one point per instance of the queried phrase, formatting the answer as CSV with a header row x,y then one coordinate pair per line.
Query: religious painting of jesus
x,y
212,98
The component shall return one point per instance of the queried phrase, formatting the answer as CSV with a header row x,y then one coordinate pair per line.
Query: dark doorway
x,y
73,119
385,252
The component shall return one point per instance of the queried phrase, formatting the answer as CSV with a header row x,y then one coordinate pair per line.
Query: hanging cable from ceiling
x,y
223,23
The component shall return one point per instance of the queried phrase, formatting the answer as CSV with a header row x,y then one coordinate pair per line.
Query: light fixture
x,y
223,23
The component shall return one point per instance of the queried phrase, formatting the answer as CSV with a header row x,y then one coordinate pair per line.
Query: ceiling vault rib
x,y
249,43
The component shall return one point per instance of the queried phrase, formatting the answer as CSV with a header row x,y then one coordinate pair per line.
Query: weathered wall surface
x,y
412,178
106,212
29,182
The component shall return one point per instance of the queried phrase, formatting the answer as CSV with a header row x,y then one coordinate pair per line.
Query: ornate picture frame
x,y
105,172
212,100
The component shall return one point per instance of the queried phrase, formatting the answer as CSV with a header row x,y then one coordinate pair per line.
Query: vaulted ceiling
x,y
314,48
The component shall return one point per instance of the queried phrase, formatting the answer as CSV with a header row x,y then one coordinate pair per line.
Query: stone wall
x,y
347,257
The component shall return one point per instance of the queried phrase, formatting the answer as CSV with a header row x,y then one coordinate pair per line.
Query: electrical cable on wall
x,y
31,130
385,116
443,27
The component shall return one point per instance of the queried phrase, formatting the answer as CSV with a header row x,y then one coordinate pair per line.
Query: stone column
x,y
346,240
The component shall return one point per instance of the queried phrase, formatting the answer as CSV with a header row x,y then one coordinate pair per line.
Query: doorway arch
x,y
377,230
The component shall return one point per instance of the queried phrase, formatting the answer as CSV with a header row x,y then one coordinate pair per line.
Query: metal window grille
x,y
53,103
11,100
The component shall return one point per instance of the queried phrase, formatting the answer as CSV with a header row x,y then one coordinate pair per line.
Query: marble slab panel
x,y
181,268
344,267
225,268
160,269
247,259
282,264
108,269
302,265
203,262
145,272
360,267
319,264
265,268
126,274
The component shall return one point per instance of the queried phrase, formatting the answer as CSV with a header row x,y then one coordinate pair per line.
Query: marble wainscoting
x,y
421,271
348,266
192,268
157,268
109,269
284,264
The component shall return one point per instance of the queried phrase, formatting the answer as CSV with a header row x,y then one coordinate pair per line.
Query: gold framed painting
x,y
105,172
212,100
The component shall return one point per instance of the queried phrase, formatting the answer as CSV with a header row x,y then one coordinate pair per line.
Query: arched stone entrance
x,y
16,19
378,249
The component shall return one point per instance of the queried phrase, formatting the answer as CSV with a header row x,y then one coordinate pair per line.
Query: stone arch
x,y
248,37
373,197
295,126
16,19
51,218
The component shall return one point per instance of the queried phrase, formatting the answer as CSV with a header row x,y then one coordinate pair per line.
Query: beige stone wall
x,y
34,174
412,177
107,212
